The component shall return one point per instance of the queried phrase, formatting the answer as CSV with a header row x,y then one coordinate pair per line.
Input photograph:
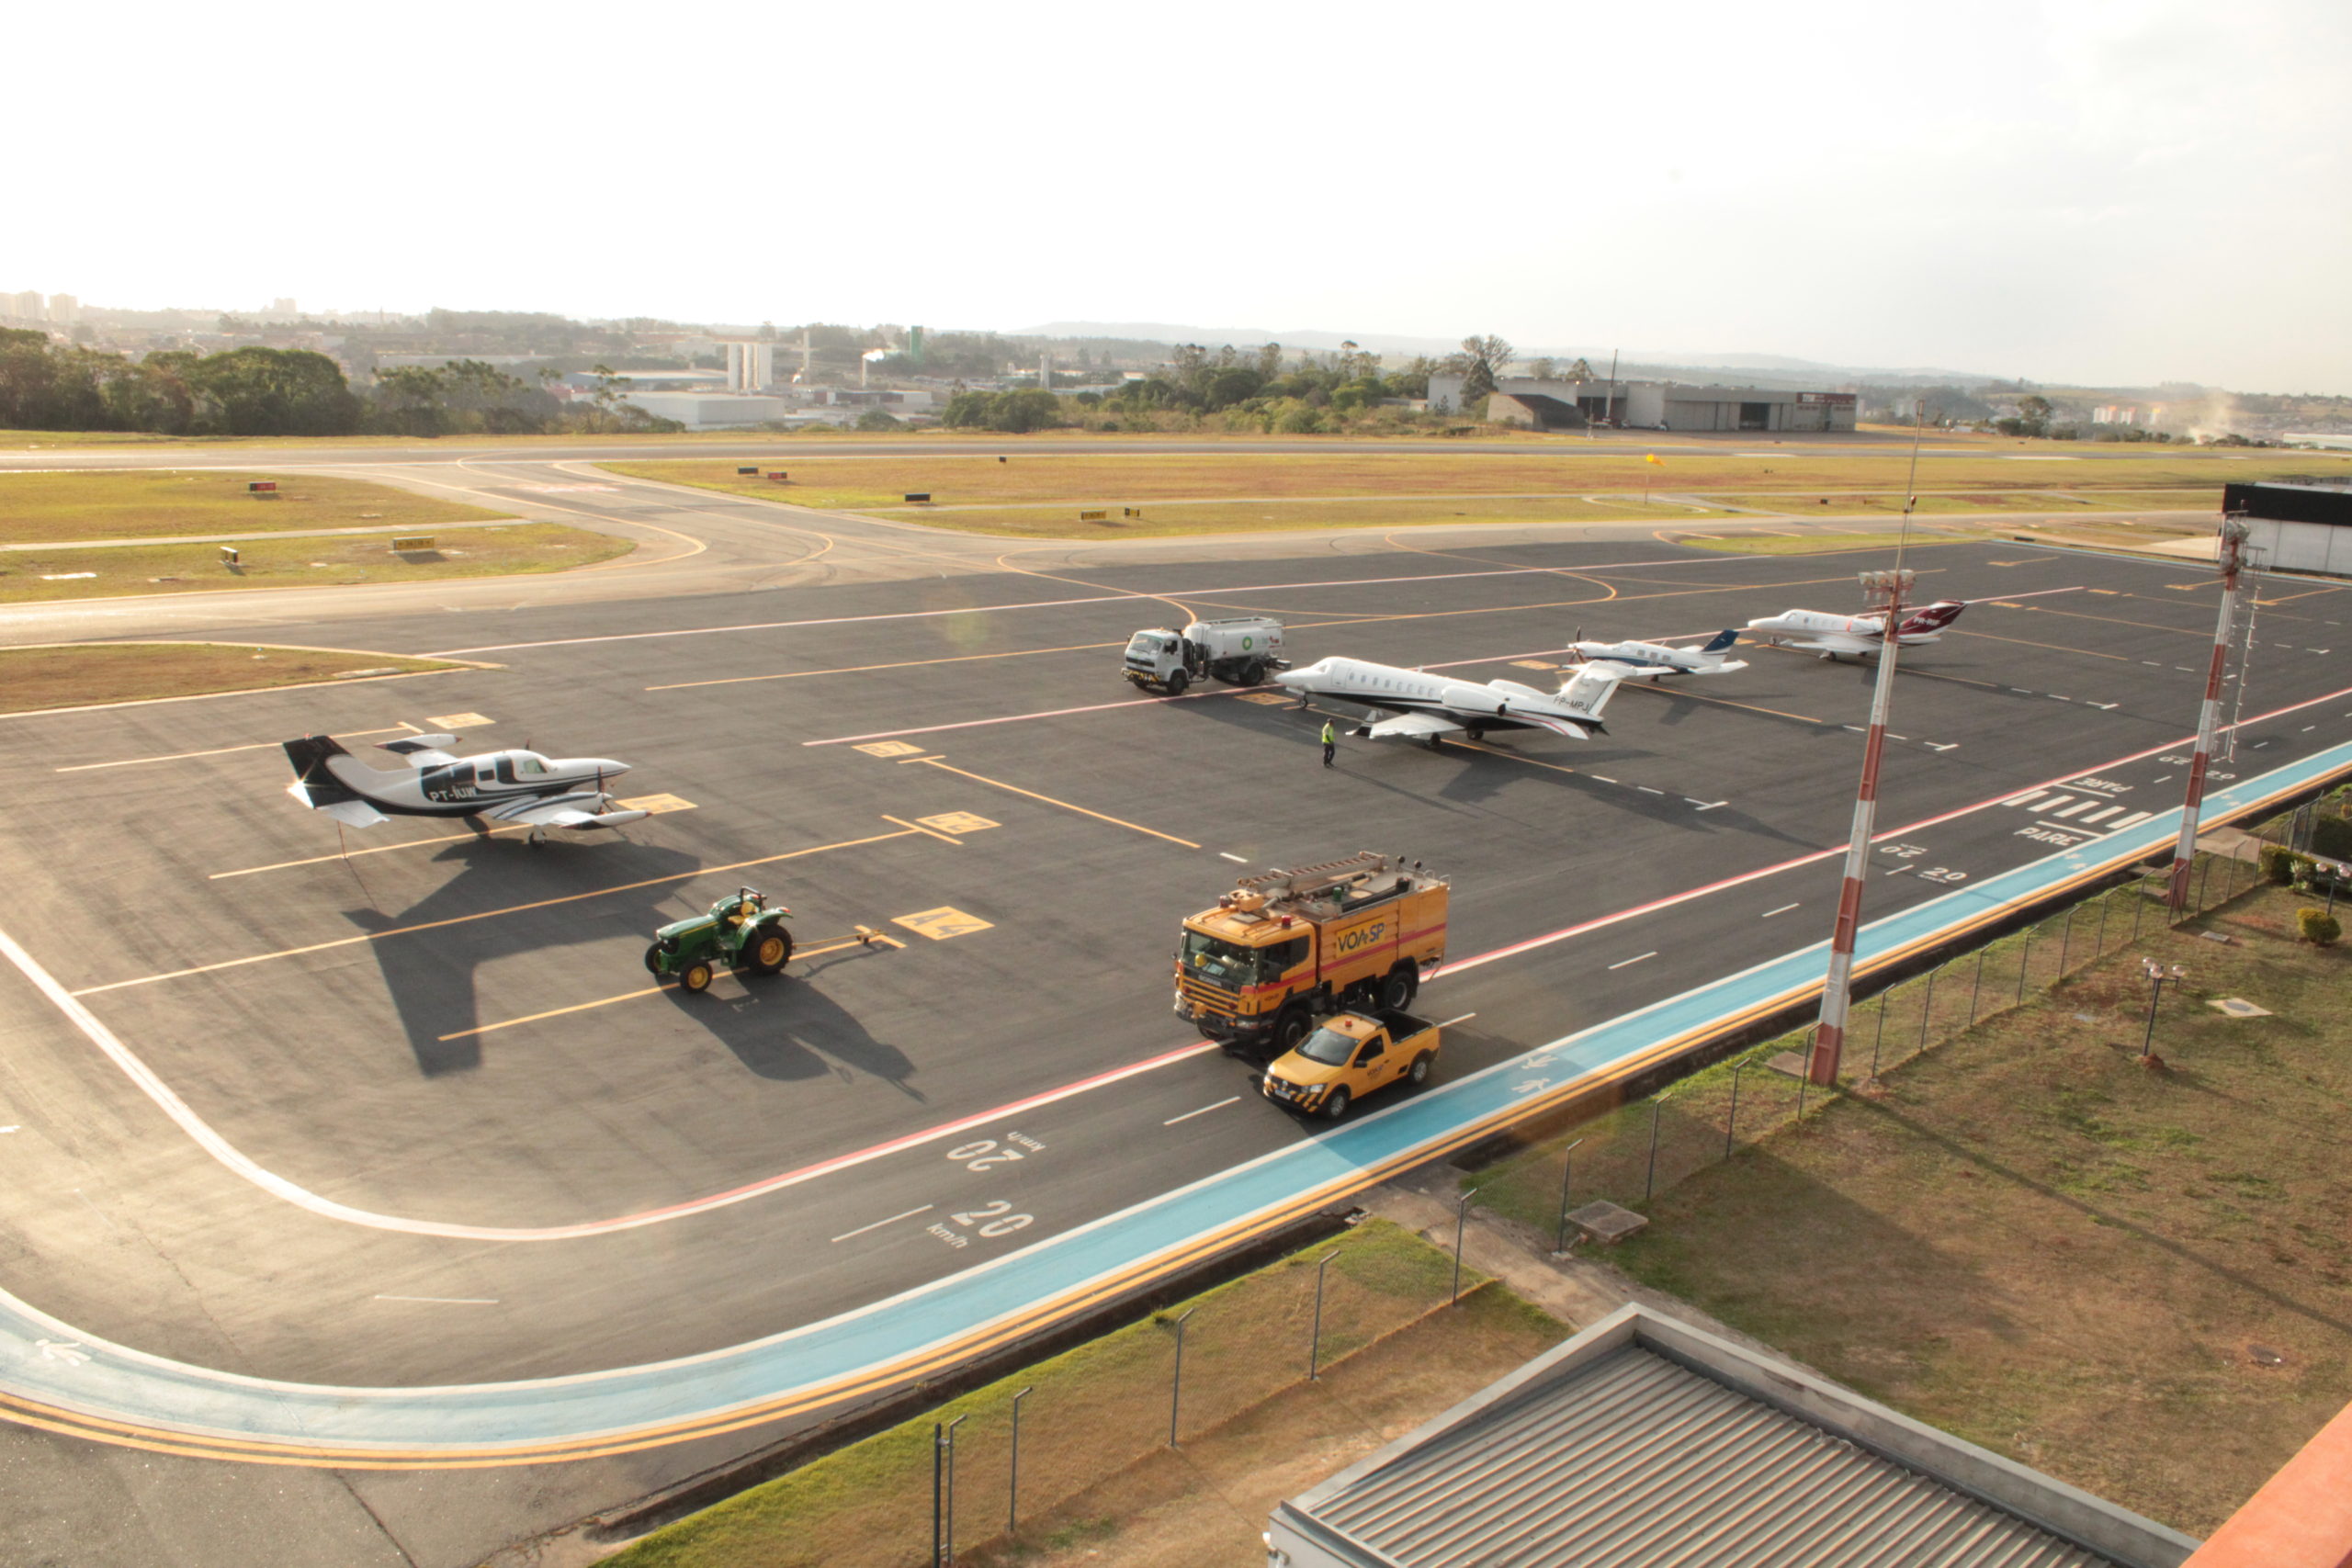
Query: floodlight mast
x,y
2231,557
1836,992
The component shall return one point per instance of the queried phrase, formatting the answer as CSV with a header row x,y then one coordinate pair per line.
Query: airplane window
x,y
526,763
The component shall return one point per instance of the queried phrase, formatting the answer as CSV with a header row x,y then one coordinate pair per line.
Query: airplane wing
x,y
353,813
1620,670
1409,725
576,811
337,802
421,751
1834,644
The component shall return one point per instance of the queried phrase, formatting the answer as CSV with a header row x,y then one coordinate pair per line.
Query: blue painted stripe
x,y
938,1320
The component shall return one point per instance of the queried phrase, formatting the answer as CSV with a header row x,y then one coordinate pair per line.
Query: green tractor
x,y
741,930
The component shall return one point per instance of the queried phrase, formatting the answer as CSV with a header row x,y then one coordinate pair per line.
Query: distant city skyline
x,y
2098,193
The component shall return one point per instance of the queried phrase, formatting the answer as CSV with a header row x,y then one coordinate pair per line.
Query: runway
x,y
474,1148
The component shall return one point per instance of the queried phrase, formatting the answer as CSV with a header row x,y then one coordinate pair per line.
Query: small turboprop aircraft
x,y
516,787
1651,660
1427,706
1833,635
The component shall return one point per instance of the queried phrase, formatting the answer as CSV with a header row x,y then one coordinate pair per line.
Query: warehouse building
x,y
2295,527
1644,1441
1652,405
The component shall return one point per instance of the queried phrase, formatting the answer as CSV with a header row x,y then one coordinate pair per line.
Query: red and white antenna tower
x,y
2231,557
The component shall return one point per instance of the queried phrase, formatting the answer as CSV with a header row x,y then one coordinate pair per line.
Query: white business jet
x,y
1833,635
515,787
1652,660
1427,707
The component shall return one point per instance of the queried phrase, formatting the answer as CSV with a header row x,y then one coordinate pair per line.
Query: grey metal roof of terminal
x,y
1652,1447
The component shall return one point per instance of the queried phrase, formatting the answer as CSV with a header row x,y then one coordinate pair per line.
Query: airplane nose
x,y
607,766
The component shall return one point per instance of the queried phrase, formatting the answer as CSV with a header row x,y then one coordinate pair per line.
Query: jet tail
x,y
1935,617
1720,644
315,784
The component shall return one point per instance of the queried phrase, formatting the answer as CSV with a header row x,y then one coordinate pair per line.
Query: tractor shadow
x,y
785,1029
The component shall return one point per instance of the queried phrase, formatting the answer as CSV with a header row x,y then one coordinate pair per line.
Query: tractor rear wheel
x,y
767,950
695,976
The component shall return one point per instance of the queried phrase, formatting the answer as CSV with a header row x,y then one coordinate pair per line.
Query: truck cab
x,y
1349,1055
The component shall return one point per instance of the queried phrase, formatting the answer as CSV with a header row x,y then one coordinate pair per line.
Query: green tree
x,y
1482,360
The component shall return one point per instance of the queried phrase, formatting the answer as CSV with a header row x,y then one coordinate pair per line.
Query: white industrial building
x,y
714,411
2295,527
751,364
1651,405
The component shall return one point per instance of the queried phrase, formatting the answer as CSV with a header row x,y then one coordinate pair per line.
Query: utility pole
x,y
1837,990
2209,717
1609,409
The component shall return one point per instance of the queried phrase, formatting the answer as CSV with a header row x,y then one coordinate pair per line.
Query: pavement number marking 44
x,y
942,923
459,721
889,749
656,804
1269,698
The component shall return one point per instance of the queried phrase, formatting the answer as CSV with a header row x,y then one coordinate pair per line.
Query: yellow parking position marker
x,y
956,822
1269,698
1532,664
942,923
355,855
889,748
459,721
656,804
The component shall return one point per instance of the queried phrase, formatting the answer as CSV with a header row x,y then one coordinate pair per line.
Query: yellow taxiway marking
x,y
1533,664
459,721
902,664
942,923
1268,698
219,752
958,822
926,757
1065,806
2053,647
933,832
656,804
491,914
657,991
889,748
1724,702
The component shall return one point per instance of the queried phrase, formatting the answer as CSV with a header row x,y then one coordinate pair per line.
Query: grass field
x,y
43,508
1093,1432
115,570
82,673
2138,1280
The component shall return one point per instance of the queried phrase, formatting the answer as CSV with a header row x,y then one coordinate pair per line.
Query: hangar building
x,y
1651,405
2295,527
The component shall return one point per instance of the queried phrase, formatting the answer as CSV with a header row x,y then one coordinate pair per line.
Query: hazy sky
x,y
2101,192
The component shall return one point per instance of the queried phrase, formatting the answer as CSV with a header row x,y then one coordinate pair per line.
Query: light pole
x,y
2209,717
2157,975
1567,1168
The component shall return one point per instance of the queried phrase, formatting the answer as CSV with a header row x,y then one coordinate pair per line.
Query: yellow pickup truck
x,y
1347,1056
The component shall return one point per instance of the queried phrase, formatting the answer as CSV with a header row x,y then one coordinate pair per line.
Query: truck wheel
x,y
768,950
1177,681
1396,988
1253,673
1337,1106
695,976
653,959
1290,1028
1418,1073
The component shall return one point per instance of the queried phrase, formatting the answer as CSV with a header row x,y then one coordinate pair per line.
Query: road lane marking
x,y
447,1301
817,952
997,784
221,750
932,831
1204,1111
1226,854
1782,910
902,664
893,1220
1623,962
487,914
355,855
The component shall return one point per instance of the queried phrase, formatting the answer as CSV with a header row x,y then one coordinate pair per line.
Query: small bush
x,y
2332,837
2318,927
2279,863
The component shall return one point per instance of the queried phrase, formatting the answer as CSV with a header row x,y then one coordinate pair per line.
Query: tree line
x,y
280,392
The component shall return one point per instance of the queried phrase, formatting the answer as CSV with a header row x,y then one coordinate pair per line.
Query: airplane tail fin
x,y
1720,644
1935,617
314,783
1589,692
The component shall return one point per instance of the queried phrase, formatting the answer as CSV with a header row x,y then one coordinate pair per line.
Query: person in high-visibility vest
x,y
1330,743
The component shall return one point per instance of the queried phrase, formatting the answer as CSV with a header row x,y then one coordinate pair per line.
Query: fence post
x,y
1975,981
2066,939
2099,942
2138,903
2025,961
938,1461
1176,1382
1013,1493
1928,1007
950,1556
1878,1035
1649,1180
1461,1222
2204,874
1315,1340
1568,1166
1731,1123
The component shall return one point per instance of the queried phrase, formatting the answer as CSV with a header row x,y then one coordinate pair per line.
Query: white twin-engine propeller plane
x,y
1833,635
1652,660
498,787
1427,706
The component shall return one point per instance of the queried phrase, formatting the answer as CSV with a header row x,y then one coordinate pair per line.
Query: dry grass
x,y
2029,1238
1093,1460
38,678
37,508
497,551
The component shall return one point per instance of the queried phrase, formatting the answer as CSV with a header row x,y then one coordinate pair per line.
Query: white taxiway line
x,y
447,1301
878,1224
1782,910
1204,1111
1636,959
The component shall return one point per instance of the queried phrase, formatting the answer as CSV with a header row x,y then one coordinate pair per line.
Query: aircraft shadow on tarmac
x,y
430,974
783,1027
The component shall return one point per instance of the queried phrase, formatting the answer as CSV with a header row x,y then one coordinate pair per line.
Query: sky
x,y
2086,193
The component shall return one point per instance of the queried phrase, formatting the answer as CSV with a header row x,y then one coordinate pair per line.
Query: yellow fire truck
x,y
1286,946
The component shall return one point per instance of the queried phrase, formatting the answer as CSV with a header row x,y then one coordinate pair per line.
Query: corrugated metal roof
x,y
1637,1461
